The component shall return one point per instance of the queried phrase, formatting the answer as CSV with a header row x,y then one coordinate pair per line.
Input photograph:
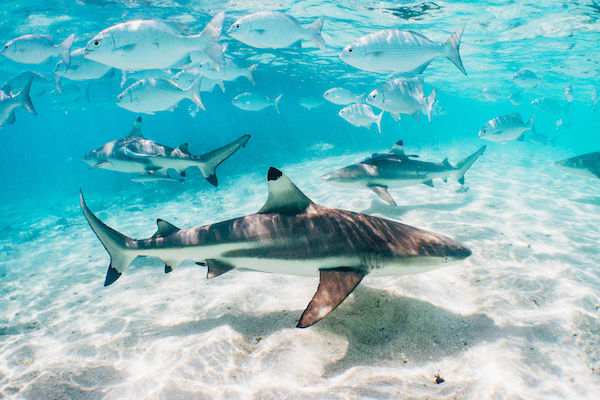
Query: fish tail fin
x,y
276,102
465,164
25,99
315,33
209,38
123,77
209,162
65,49
378,121
193,93
115,243
250,73
429,103
451,49
531,124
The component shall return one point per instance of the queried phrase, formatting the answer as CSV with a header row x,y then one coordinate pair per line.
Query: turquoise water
x,y
517,319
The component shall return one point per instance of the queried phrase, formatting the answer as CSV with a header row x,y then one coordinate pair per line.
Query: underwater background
x,y
518,319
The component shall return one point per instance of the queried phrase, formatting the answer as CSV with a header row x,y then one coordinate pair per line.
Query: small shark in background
x,y
290,235
381,171
135,154
583,165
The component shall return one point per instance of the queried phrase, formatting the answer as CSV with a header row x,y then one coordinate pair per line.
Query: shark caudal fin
x,y
465,164
451,49
24,98
209,162
114,242
209,38
315,33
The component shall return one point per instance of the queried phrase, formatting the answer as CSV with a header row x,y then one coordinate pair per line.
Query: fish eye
x,y
237,26
349,50
96,43
374,95
120,97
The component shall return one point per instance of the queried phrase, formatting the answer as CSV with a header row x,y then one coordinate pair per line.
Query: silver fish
x,y
361,115
36,49
151,95
506,128
402,96
254,102
397,51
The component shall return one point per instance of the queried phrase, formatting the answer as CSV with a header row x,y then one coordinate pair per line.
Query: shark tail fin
x,y
429,103
451,49
250,73
193,93
276,102
65,49
114,242
378,121
209,38
465,164
25,99
209,162
315,33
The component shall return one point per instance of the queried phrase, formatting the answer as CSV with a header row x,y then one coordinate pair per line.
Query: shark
x,y
583,165
290,234
381,171
136,154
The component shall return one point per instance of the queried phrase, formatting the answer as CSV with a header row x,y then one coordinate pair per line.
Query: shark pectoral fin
x,y
383,194
334,286
216,268
165,228
428,183
284,197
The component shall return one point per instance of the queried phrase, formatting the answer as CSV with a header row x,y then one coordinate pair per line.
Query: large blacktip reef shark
x,y
290,235
135,154
583,165
381,171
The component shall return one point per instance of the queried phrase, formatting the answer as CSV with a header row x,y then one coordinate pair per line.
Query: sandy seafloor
x,y
519,319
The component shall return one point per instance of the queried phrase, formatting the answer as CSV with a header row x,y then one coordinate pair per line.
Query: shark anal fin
x,y
111,275
383,194
428,183
334,286
216,268
284,197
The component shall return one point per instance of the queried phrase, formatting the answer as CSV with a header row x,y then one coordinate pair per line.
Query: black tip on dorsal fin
x,y
274,174
139,119
400,143
284,197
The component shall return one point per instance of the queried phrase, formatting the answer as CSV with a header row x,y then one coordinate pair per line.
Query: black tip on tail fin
x,y
274,174
212,179
111,275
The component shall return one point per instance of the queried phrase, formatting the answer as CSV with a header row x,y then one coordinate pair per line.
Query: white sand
x,y
519,319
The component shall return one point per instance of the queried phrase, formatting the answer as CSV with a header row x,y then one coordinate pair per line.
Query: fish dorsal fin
x,y
184,148
165,228
284,196
446,162
136,131
398,148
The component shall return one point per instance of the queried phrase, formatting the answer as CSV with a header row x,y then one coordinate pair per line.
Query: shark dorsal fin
x,y
136,131
184,148
165,228
398,148
446,162
284,196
